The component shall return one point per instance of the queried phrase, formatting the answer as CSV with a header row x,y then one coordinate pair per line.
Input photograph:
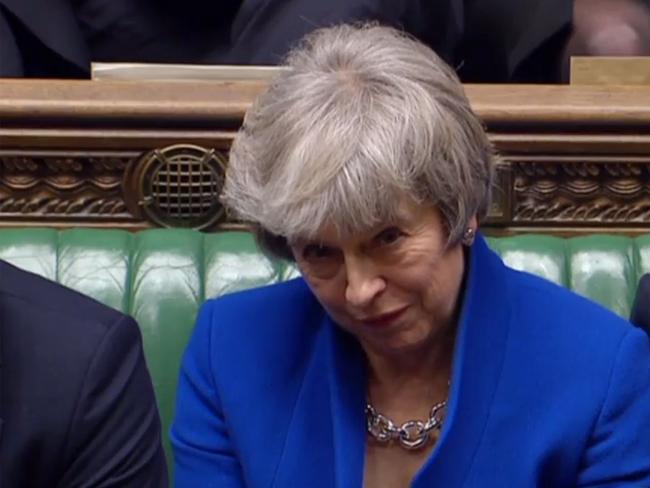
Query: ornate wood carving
x,y
79,188
581,193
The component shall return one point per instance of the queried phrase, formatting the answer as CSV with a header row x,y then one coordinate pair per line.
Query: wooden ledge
x,y
118,103
65,103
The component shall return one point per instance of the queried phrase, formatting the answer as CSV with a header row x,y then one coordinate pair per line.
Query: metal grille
x,y
184,186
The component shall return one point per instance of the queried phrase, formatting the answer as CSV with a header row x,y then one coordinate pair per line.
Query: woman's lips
x,y
385,319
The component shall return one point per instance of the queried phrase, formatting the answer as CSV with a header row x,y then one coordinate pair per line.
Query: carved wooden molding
x,y
60,187
560,191
531,191
581,193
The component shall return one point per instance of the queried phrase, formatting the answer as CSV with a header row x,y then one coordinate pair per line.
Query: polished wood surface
x,y
204,104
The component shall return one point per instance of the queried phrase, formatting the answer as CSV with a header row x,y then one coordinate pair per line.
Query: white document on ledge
x,y
181,72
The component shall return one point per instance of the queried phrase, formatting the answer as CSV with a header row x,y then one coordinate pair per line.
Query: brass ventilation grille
x,y
178,186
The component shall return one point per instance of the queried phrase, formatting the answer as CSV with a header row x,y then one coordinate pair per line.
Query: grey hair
x,y
362,116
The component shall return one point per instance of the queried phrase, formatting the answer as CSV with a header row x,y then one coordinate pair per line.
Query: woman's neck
x,y
414,376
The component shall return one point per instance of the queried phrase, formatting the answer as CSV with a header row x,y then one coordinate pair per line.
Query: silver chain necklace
x,y
411,435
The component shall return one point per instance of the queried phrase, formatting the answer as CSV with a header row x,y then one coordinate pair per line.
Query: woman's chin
x,y
398,343
399,337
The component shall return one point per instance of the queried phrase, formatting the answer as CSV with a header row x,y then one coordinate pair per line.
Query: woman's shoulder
x,y
581,372
555,315
286,294
284,314
251,343
571,343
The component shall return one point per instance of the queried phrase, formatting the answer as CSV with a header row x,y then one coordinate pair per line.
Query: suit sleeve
x,y
115,436
203,452
618,453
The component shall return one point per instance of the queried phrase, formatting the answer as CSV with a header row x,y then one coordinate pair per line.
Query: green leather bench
x,y
161,276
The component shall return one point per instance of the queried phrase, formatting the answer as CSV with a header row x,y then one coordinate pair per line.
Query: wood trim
x,y
207,104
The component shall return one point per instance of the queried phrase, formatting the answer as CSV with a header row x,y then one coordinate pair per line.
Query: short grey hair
x,y
363,115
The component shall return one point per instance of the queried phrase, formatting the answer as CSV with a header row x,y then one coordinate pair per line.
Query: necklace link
x,y
412,435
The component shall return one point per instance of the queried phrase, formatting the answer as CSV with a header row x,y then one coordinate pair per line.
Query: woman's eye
x,y
316,251
389,236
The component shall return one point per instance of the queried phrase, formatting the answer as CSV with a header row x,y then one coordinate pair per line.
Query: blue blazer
x,y
548,390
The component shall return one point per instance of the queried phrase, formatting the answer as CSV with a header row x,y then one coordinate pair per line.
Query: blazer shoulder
x,y
48,298
289,300
558,315
277,323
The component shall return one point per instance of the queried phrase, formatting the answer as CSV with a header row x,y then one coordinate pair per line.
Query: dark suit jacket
x,y
487,40
77,406
63,41
59,38
264,30
41,39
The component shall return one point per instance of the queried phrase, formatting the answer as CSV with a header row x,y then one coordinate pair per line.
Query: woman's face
x,y
395,288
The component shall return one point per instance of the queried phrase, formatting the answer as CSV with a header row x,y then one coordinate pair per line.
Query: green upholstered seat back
x,y
161,276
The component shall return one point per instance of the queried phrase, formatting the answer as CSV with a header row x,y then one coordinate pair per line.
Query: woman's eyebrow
x,y
303,242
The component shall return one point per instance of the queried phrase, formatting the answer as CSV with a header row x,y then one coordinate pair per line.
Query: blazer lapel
x,y
307,454
478,359
347,379
325,441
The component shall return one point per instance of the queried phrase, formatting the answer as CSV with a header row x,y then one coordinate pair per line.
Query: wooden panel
x,y
592,70
574,158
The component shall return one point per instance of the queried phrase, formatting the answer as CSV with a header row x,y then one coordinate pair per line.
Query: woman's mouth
x,y
385,319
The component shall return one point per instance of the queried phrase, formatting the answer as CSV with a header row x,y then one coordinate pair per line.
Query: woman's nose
x,y
363,284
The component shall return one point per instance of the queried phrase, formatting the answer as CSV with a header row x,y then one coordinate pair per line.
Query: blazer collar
x,y
478,358
347,379
324,444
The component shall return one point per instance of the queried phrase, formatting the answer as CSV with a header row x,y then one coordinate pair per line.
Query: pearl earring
x,y
468,236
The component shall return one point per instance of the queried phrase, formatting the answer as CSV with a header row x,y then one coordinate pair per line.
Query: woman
x,y
407,354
